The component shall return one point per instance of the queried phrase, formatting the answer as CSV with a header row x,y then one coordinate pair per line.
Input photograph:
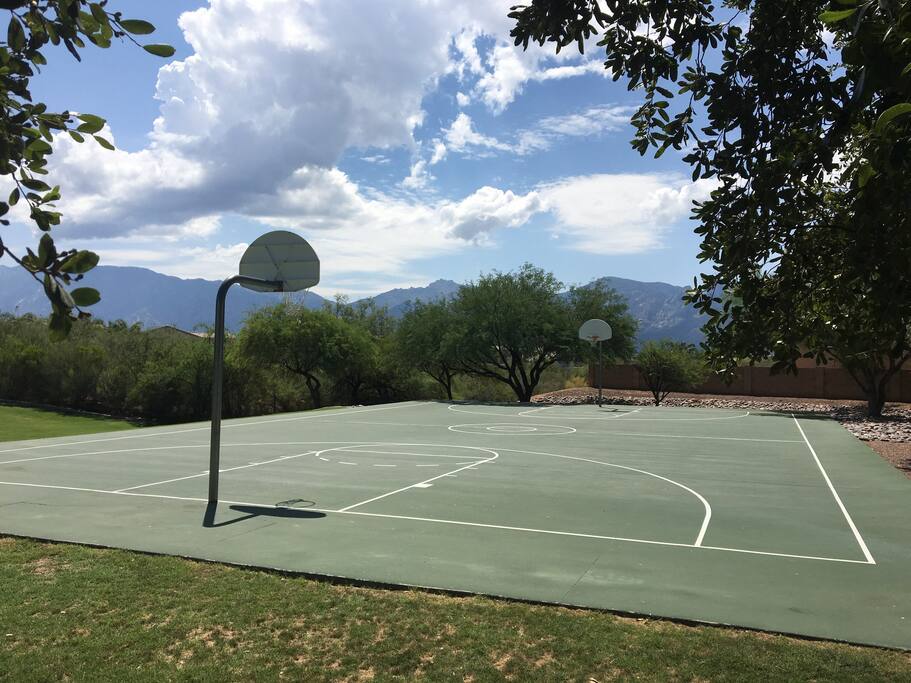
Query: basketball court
x,y
759,520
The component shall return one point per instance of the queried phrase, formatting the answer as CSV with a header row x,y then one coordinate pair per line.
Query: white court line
x,y
353,450
203,474
629,412
525,413
844,510
454,408
534,410
142,434
502,429
318,454
705,504
420,483
642,434
706,438
448,521
121,450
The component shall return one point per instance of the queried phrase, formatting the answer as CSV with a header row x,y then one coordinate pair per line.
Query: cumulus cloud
x,y
384,233
620,213
253,124
463,137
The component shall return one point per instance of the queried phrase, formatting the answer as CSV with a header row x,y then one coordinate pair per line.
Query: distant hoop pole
x,y
597,331
218,367
600,374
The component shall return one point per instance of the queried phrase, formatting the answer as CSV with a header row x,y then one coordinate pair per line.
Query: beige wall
x,y
815,382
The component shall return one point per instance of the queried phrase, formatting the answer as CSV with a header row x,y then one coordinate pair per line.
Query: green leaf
x,y
890,114
52,196
137,27
85,296
159,50
15,35
39,147
864,174
98,14
47,252
834,16
36,185
76,136
104,143
80,262
14,197
92,124
59,326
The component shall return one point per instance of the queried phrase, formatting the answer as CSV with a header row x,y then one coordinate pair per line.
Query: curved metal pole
x,y
218,366
600,374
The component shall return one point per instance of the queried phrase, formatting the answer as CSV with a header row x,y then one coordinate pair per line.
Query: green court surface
x,y
759,520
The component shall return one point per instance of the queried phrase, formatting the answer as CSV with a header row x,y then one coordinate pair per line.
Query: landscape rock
x,y
894,425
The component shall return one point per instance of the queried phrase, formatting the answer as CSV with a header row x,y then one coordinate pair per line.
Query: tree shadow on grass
x,y
249,512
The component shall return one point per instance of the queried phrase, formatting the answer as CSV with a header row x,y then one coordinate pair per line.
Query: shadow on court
x,y
249,512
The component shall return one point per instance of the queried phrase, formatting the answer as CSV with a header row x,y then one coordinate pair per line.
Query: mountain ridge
x,y
140,295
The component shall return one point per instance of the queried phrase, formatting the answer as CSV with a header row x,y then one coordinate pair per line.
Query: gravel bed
x,y
894,426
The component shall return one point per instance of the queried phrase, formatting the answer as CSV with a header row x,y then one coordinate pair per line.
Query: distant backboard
x,y
595,330
280,256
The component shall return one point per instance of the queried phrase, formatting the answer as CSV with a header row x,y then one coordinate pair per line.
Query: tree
x,y
427,340
513,326
597,300
28,129
365,314
353,364
668,366
298,340
803,111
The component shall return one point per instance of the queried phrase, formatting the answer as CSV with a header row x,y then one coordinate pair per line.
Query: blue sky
x,y
407,141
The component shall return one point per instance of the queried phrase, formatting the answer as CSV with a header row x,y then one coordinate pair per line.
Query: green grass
x,y
77,613
81,613
36,423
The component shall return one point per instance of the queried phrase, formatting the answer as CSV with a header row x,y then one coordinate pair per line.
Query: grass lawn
x,y
77,613
36,423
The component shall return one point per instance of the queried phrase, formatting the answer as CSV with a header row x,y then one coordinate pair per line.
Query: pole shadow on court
x,y
249,512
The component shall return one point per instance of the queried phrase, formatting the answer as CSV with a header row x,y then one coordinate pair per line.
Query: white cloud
x,y
254,121
620,213
353,233
419,177
439,152
488,210
510,68
592,121
461,136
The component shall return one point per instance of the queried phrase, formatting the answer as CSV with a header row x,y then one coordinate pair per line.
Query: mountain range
x,y
140,295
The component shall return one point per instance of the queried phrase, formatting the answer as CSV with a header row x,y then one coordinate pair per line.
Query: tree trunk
x,y
313,384
876,398
523,392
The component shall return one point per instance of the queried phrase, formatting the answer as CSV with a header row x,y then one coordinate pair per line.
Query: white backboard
x,y
595,330
280,256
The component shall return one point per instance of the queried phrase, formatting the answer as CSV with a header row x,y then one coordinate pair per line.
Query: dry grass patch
x,y
46,566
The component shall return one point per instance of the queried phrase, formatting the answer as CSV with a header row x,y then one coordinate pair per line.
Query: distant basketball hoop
x,y
279,261
596,331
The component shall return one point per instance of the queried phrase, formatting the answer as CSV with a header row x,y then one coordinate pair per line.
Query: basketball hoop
x,y
279,261
596,331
